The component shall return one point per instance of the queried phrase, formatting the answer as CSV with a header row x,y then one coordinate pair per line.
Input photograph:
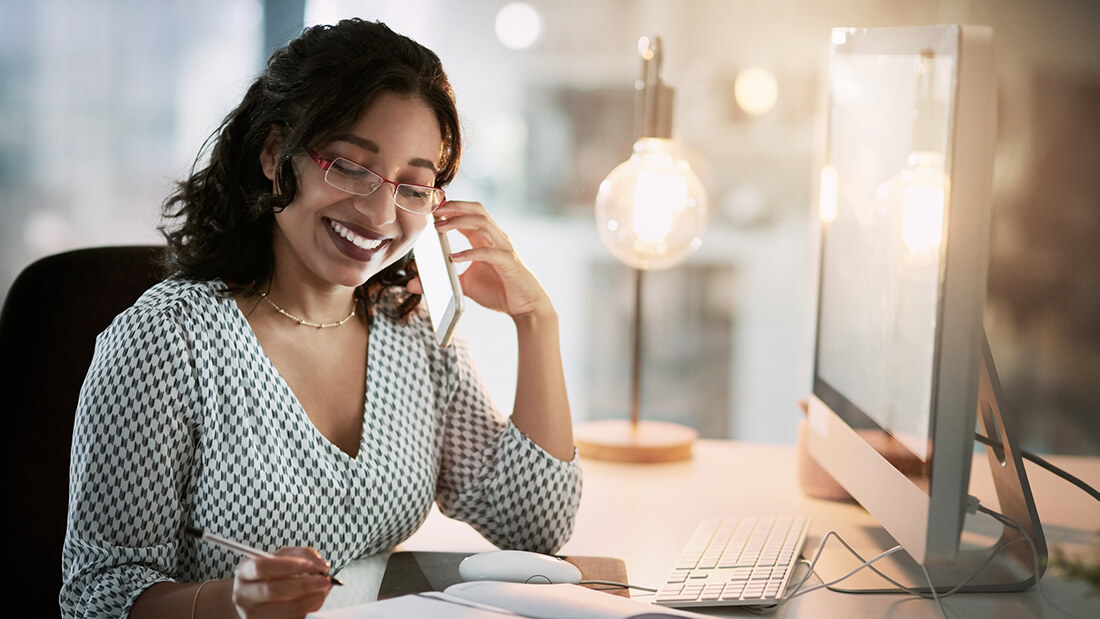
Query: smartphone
x,y
439,280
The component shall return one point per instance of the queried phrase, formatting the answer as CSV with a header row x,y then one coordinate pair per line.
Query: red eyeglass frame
x,y
325,163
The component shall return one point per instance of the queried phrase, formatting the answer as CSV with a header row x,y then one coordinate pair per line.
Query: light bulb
x,y
651,210
918,191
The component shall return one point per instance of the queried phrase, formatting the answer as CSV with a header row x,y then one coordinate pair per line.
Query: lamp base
x,y
619,440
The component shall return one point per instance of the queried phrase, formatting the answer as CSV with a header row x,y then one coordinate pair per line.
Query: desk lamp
x,y
651,212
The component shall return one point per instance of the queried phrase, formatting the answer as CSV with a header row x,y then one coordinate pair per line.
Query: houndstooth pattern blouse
x,y
183,420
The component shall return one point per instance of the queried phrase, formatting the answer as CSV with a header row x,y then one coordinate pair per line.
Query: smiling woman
x,y
283,387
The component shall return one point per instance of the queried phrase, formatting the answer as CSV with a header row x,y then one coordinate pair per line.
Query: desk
x,y
644,514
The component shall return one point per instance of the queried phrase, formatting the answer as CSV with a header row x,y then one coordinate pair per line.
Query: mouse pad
x,y
420,571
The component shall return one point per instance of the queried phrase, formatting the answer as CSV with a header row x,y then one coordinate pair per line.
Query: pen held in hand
x,y
237,547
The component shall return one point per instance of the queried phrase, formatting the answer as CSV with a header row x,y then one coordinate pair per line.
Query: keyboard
x,y
736,562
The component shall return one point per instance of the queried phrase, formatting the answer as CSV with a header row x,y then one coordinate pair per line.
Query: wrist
x,y
539,318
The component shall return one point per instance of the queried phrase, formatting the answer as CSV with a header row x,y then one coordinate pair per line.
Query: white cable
x,y
936,596
996,551
616,585
1007,521
797,588
932,588
867,563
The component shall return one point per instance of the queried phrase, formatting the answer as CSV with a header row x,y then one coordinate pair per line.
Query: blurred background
x,y
103,105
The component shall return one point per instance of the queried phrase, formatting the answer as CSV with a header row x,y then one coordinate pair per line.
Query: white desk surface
x,y
644,513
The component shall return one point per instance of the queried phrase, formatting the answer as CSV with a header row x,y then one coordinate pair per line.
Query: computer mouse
x,y
518,566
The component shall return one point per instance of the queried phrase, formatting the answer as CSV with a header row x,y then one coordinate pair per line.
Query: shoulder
x,y
181,294
178,304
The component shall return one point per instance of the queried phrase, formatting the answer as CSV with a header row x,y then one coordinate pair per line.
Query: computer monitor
x,y
902,366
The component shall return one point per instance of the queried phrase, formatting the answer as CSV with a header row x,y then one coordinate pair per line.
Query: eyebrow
x,y
372,147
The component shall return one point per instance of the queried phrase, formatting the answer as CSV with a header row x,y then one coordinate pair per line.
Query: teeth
x,y
358,241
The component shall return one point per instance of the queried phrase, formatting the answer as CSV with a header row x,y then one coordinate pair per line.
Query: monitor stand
x,y
992,556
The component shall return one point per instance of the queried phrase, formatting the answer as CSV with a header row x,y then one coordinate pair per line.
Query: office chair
x,y
53,312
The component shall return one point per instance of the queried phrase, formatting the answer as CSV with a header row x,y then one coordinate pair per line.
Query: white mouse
x,y
518,566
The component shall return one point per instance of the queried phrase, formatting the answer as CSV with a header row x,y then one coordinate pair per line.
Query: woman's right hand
x,y
292,583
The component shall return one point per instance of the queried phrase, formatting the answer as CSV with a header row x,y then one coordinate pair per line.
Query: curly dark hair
x,y
219,222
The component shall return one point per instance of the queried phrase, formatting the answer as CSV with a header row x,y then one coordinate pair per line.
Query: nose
x,y
378,207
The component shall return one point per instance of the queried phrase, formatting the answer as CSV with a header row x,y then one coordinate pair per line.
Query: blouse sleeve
x,y
497,479
132,451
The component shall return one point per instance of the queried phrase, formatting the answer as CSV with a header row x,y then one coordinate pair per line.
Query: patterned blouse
x,y
183,421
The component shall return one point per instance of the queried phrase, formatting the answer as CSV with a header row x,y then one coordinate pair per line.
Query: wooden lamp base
x,y
620,440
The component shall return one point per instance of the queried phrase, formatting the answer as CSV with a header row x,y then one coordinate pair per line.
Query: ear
x,y
269,157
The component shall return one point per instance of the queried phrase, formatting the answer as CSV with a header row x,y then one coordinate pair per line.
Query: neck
x,y
297,289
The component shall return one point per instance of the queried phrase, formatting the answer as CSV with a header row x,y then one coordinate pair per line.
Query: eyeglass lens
x,y
354,178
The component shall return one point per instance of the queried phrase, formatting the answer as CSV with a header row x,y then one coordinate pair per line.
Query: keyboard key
x,y
679,597
712,592
733,591
740,573
753,592
678,576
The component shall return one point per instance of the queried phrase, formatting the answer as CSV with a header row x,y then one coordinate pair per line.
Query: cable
x,y
866,563
932,588
1009,522
797,590
916,592
620,585
937,596
1066,475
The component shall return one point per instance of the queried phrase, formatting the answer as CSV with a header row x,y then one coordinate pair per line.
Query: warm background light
x,y
755,91
518,25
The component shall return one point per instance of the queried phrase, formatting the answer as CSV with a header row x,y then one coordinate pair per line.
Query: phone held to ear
x,y
439,281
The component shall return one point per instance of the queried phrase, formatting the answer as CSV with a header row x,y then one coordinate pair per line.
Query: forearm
x,y
167,600
541,409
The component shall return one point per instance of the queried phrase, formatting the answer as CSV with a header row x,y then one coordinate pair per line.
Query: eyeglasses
x,y
351,177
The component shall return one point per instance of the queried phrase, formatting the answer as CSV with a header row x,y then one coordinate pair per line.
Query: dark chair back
x,y
52,314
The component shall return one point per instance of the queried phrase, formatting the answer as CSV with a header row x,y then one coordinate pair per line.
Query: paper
x,y
560,601
497,600
416,606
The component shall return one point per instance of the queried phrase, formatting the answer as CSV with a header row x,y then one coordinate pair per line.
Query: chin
x,y
360,276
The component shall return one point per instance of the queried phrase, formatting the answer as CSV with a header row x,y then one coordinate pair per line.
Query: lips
x,y
354,243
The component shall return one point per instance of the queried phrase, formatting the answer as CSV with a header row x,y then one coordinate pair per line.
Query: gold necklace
x,y
303,321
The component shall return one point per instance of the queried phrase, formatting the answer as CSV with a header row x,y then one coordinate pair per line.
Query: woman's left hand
x,y
496,277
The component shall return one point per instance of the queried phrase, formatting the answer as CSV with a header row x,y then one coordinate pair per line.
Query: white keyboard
x,y
736,562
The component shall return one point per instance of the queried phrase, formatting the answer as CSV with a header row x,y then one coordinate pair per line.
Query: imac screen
x,y
883,211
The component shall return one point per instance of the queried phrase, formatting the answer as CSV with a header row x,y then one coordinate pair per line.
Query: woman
x,y
283,388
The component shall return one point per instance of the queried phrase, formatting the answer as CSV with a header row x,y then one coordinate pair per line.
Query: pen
x,y
237,547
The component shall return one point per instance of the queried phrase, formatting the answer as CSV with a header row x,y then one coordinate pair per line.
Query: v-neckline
x,y
301,410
